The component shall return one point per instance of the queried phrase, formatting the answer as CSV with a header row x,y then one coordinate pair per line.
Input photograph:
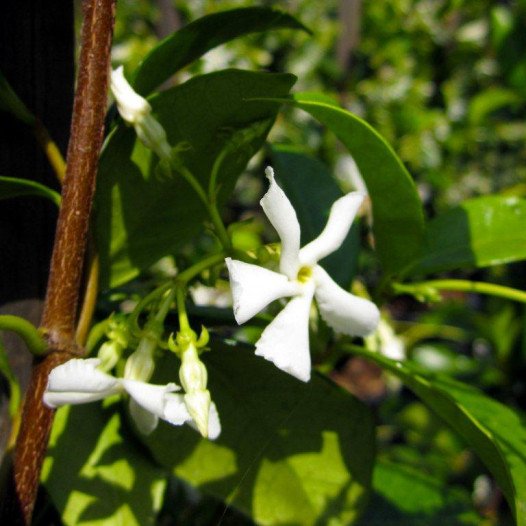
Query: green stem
x,y
462,285
210,206
27,331
149,298
193,271
184,324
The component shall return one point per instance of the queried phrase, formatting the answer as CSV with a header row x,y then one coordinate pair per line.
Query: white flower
x,y
286,340
385,341
79,381
136,110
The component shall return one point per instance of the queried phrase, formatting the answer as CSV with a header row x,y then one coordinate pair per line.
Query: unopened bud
x,y
198,405
192,374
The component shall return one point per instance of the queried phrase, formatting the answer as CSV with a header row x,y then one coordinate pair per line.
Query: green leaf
x,y
142,216
10,102
15,187
194,40
406,497
397,211
95,474
312,191
489,101
496,433
289,452
481,232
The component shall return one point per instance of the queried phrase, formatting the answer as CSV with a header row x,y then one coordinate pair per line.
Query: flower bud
x,y
192,374
136,110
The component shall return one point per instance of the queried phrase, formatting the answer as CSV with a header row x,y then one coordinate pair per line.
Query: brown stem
x,y
61,304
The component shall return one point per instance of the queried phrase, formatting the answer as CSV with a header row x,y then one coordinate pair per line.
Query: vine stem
x,y
462,285
61,303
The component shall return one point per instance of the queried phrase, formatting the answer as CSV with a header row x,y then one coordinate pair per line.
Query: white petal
x,y
77,382
175,411
281,214
254,287
149,396
285,342
145,421
343,311
338,225
132,107
214,425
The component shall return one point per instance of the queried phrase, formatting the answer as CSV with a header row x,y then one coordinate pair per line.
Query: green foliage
x,y
184,46
10,102
289,452
15,187
143,215
107,480
480,232
496,433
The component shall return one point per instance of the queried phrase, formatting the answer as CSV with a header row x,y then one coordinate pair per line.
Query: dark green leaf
x,y
142,216
10,102
495,432
14,187
406,497
312,191
481,232
194,40
289,452
95,474
397,211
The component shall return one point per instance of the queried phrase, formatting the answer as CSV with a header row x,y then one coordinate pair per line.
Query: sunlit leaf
x,y
289,453
95,474
15,187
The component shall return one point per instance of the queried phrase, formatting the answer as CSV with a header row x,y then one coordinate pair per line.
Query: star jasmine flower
x,y
79,381
136,110
285,341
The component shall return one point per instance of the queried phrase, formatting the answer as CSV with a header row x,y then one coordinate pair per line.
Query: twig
x,y
61,304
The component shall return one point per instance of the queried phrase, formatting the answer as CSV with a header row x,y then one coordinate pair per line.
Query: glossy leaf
x,y
289,452
142,215
15,187
405,496
94,473
496,433
397,212
481,232
10,102
194,40
312,190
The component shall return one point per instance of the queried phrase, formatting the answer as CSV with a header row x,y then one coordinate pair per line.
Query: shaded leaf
x,y
289,452
398,217
15,187
94,473
194,40
10,102
480,232
142,215
496,433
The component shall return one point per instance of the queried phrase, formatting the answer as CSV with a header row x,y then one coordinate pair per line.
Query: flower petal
x,y
254,287
340,220
149,396
77,382
282,215
343,311
145,421
285,342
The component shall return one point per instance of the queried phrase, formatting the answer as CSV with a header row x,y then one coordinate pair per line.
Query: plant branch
x,y
60,308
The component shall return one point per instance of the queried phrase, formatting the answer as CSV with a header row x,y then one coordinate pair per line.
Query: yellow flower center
x,y
304,274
